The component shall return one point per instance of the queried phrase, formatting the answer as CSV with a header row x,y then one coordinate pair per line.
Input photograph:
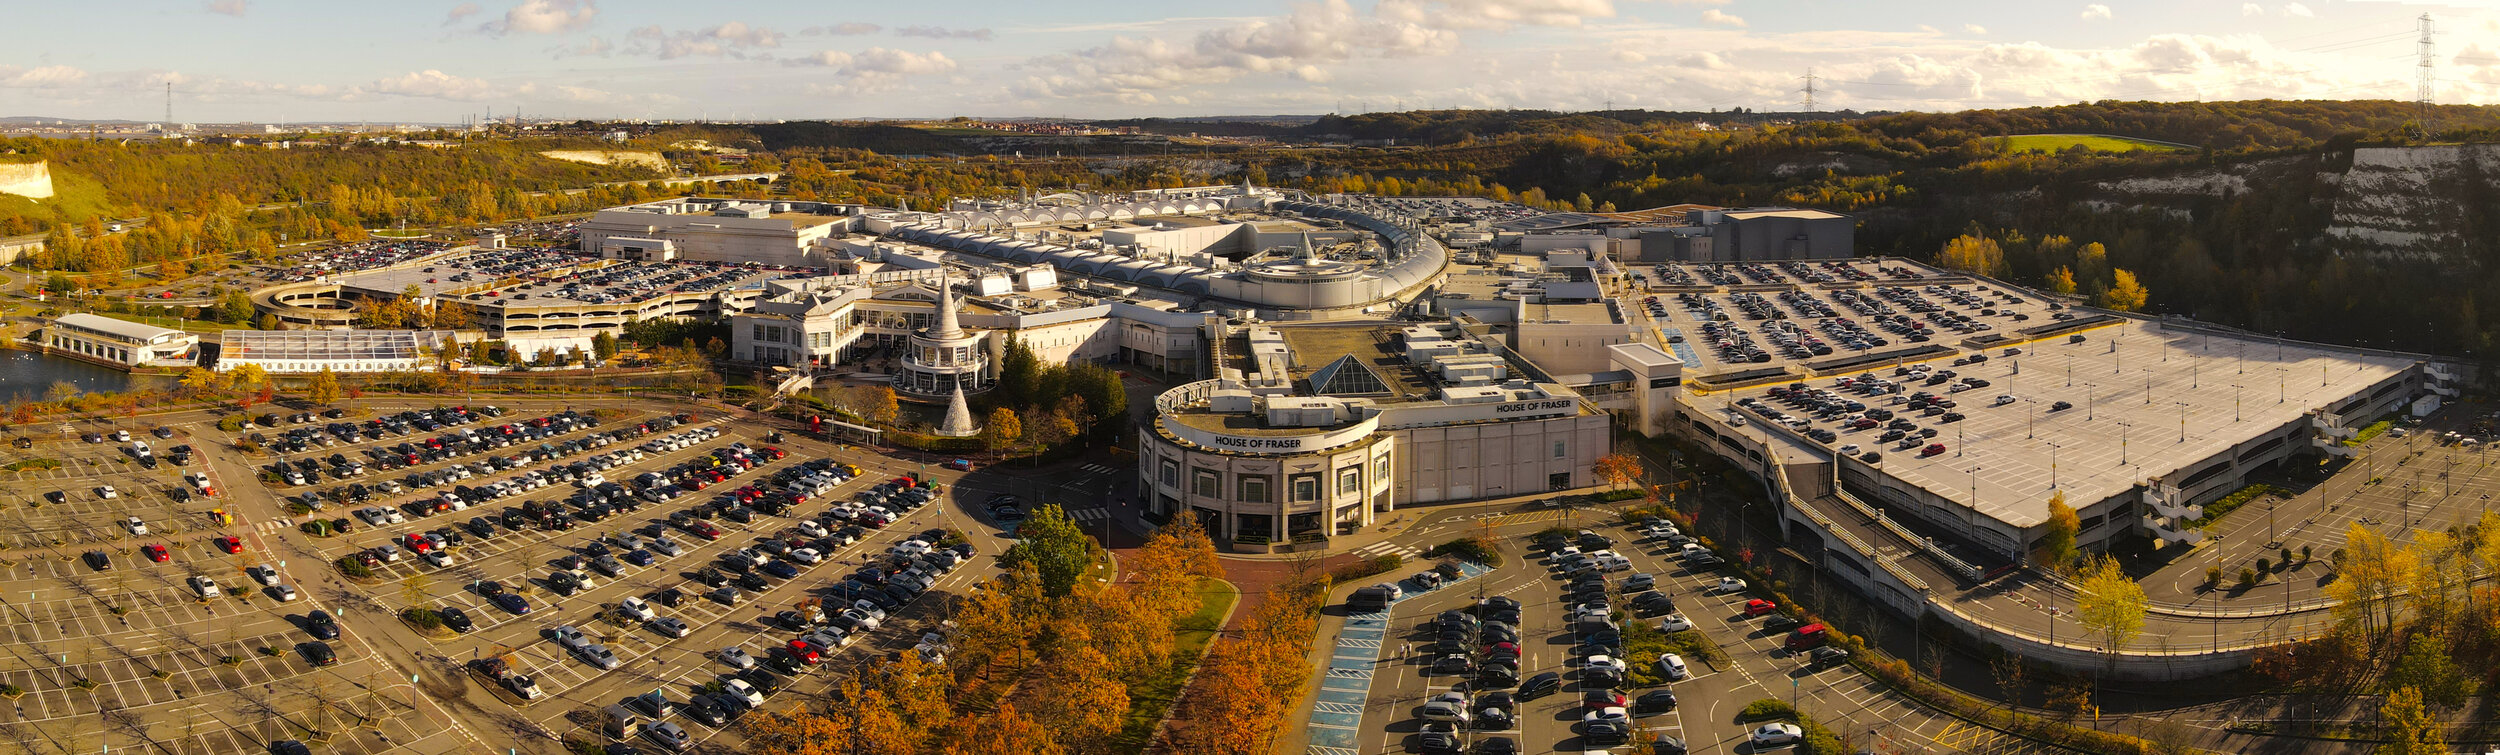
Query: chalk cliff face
x,y
2416,204
31,180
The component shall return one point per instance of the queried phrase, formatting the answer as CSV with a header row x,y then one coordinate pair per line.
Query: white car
x,y
744,691
1694,550
1604,663
863,618
1675,622
634,607
1614,713
805,555
1673,667
1731,584
136,525
207,588
261,573
107,492
286,593
437,557
1849,450
2003,400
1776,735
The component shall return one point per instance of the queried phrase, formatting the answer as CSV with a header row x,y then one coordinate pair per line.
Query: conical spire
x,y
947,326
958,422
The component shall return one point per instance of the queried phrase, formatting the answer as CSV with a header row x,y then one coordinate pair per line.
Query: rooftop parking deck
x,y
2129,402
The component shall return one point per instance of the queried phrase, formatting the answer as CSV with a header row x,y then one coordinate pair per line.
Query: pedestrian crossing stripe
x,y
1384,548
1087,515
1100,468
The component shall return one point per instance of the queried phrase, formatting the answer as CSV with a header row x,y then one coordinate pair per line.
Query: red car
x,y
1758,607
155,553
418,543
1932,449
230,544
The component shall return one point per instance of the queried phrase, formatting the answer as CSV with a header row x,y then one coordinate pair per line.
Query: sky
x,y
438,61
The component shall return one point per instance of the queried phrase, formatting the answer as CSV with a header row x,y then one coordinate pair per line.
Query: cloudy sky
x,y
441,61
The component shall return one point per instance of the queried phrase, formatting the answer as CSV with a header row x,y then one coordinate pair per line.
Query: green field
x,y
2094,142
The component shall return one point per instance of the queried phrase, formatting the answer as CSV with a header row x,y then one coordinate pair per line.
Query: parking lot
x,y
1704,717
571,688
107,643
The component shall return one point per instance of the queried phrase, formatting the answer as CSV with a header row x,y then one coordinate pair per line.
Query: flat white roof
x,y
2147,402
124,328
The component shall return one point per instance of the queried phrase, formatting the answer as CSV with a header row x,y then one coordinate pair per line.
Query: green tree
x,y
2427,668
324,388
1019,376
58,284
603,345
1054,547
2411,728
2057,543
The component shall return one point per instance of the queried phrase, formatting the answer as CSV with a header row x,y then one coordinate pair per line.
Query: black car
x,y
1654,701
703,708
457,619
98,560
1540,685
320,654
1438,737
321,625
753,582
1604,732
1500,746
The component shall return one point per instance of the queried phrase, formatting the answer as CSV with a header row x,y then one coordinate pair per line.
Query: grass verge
x,y
1151,698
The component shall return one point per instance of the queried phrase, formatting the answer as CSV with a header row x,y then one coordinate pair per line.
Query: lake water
x,y
27,374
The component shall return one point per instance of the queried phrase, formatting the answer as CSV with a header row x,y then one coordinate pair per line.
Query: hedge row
x,y
1374,567
1477,549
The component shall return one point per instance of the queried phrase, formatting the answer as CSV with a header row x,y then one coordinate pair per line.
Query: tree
x,y
199,381
2411,728
2427,668
2057,544
2367,580
1079,695
324,387
2125,294
2112,605
58,284
1974,254
1019,374
247,376
603,345
2062,280
1003,732
1058,551
1618,469
880,406
1002,430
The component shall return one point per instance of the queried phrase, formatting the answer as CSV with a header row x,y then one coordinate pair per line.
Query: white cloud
x,y
234,8
1707,61
2095,12
434,84
44,77
1629,56
844,29
595,46
1714,17
1494,14
1322,33
940,32
734,39
2252,9
879,60
461,12
543,17
2297,10
1974,29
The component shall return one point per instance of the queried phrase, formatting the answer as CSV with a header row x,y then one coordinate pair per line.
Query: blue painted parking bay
x,y
1337,707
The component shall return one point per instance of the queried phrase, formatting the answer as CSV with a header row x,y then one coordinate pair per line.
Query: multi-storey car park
x,y
1919,420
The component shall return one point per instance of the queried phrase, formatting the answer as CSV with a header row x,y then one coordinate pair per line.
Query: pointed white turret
x,y
948,327
958,423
